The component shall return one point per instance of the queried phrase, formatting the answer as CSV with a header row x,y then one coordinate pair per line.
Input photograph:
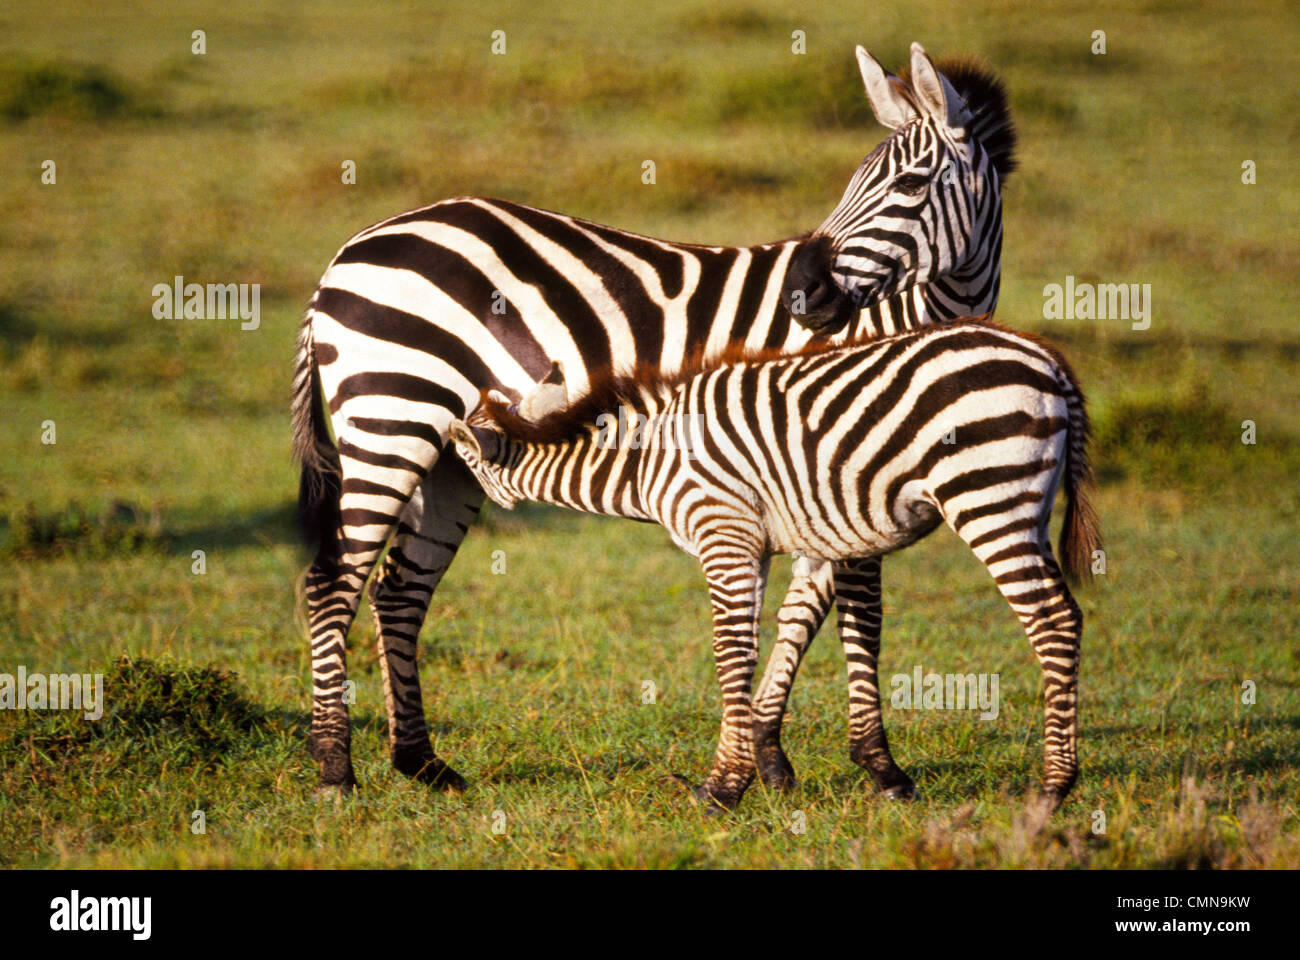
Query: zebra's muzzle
x,y
810,293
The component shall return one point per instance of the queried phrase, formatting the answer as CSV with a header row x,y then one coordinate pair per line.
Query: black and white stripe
x,y
418,314
843,453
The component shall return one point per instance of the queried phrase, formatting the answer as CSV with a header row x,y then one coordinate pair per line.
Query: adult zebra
x,y
841,452
416,315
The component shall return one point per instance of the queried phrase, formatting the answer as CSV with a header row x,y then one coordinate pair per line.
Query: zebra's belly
x,y
837,534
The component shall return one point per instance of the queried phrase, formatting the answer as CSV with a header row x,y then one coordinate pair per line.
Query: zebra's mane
x,y
986,98
608,391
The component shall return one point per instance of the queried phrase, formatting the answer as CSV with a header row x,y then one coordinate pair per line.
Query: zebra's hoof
x,y
422,765
773,765
710,805
698,794
903,792
442,777
774,768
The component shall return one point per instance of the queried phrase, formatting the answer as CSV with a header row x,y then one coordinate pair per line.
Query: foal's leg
x,y
1027,574
857,595
802,613
737,576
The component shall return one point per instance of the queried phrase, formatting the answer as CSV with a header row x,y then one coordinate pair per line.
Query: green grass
x,y
172,437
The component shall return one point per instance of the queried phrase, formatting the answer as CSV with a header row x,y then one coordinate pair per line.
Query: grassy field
x,y
172,436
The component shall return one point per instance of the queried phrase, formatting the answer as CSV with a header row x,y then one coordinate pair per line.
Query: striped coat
x,y
418,314
839,453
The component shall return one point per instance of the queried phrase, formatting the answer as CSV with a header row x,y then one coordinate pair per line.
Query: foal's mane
x,y
608,390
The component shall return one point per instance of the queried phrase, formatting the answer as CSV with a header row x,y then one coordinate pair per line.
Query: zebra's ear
x,y
888,95
934,93
549,396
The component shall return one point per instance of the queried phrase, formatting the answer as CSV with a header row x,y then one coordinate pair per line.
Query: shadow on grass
x,y
267,526
278,526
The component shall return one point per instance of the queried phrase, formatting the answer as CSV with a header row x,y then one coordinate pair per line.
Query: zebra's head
x,y
488,451
924,206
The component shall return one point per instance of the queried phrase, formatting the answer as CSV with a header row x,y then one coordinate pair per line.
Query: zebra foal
x,y
841,453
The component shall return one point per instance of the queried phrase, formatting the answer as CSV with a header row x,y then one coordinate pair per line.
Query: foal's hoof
x,y
783,781
336,792
773,765
698,794
777,774
438,775
710,805
1049,801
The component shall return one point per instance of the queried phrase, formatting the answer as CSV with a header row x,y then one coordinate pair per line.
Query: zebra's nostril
x,y
819,291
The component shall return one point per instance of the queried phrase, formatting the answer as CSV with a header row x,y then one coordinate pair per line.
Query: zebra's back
x,y
495,291
861,450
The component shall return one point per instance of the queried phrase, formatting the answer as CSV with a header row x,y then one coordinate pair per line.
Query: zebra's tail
x,y
1081,533
319,486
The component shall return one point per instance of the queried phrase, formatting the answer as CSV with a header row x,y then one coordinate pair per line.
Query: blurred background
x,y
172,435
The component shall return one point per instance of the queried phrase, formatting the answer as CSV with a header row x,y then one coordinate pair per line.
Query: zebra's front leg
x,y
802,613
858,598
431,530
737,576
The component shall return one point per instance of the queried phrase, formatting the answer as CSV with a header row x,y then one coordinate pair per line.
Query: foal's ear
x,y
890,99
464,437
547,397
556,374
480,441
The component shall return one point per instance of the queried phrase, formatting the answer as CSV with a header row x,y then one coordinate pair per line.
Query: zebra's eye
x,y
911,183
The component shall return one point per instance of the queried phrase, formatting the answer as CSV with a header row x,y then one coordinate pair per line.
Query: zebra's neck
x,y
972,294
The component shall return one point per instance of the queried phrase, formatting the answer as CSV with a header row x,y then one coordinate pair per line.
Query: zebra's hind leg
x,y
361,508
331,607
737,576
428,535
857,596
802,613
333,588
